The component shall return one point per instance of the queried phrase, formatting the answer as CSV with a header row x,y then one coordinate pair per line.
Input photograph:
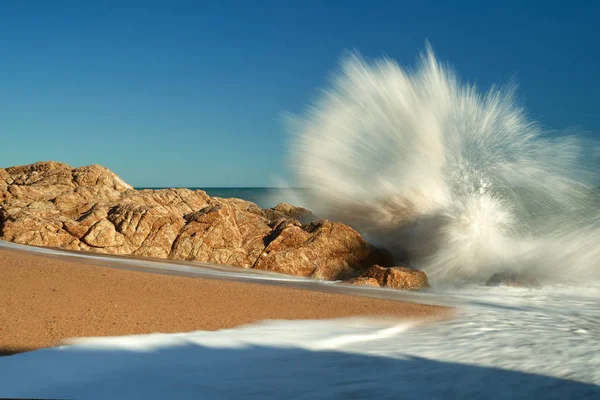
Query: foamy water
x,y
504,343
454,181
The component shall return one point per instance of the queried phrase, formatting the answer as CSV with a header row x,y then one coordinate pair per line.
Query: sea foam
x,y
458,183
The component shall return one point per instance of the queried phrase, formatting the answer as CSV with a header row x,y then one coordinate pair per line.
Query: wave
x,y
452,181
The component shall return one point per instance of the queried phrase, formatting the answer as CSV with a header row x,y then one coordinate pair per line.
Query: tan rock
x,y
82,199
397,277
36,229
4,195
90,208
376,272
405,278
182,201
322,250
288,211
61,184
148,231
103,234
48,173
3,176
243,205
221,233
80,226
364,282
281,223
96,175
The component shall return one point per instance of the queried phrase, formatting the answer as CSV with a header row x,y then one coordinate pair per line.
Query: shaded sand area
x,y
44,300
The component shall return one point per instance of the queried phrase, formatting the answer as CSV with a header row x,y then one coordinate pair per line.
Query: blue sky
x,y
192,93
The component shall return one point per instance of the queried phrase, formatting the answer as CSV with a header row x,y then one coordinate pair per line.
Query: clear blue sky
x,y
192,93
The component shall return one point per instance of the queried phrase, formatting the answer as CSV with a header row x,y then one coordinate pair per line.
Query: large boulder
x,y
181,201
36,229
283,211
322,249
394,278
362,281
56,186
405,278
221,233
92,209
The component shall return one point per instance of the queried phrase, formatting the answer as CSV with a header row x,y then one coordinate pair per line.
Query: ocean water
x,y
502,343
459,180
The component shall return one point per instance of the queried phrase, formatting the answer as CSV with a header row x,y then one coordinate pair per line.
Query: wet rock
x,y
397,277
281,223
364,282
405,278
376,272
511,279
322,249
288,211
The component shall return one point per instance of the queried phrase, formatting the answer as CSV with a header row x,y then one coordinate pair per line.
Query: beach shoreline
x,y
46,300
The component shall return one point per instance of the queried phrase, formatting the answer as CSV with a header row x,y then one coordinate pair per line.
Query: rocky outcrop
x,y
58,187
285,211
221,233
364,282
323,250
393,278
92,209
511,279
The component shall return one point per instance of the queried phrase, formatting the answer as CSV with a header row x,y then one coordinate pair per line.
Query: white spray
x,y
457,183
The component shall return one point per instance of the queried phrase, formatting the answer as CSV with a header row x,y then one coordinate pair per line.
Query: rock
x,y
364,282
92,209
57,183
181,201
221,233
511,279
46,173
397,277
4,175
405,278
322,249
36,229
281,223
288,211
376,272
243,205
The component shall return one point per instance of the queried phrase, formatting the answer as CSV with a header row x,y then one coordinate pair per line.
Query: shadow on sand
x,y
255,372
12,351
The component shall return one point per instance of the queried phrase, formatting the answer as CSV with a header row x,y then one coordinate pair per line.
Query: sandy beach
x,y
45,300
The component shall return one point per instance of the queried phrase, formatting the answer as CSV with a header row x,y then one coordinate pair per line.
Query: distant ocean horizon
x,y
264,197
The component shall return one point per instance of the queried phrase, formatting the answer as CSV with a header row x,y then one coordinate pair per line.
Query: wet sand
x,y
44,300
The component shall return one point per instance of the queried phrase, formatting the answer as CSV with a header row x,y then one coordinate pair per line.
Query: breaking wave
x,y
455,182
